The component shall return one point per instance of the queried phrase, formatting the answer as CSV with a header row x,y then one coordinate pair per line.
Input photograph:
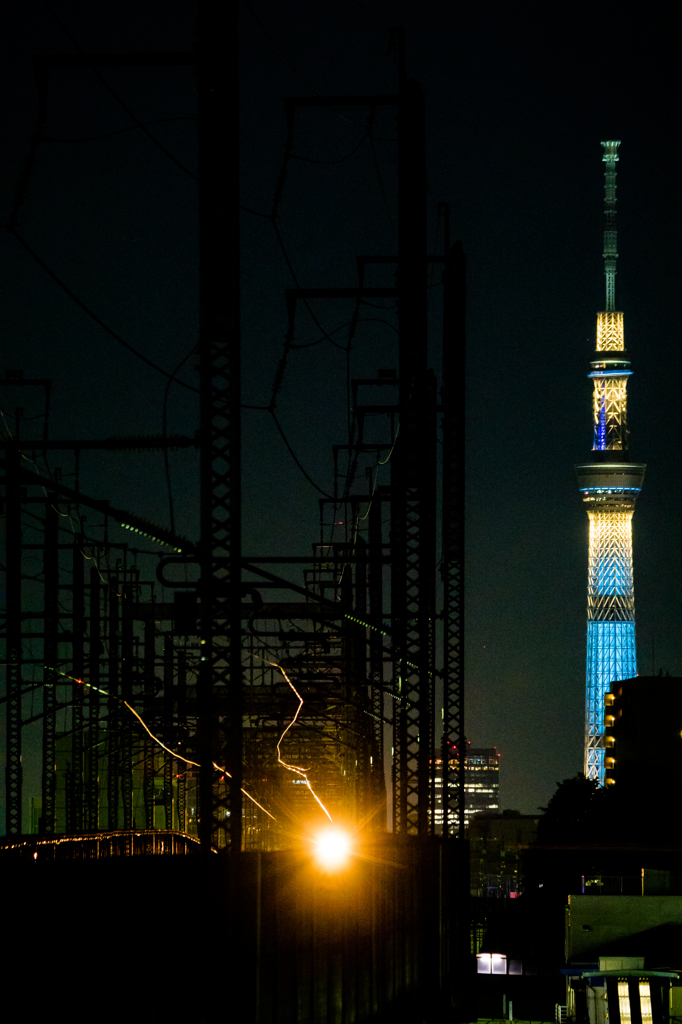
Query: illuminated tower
x,y
609,484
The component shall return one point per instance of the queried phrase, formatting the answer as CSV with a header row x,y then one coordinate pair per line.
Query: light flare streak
x,y
173,753
301,772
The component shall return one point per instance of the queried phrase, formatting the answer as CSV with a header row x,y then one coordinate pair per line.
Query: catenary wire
x,y
86,309
330,163
119,131
295,457
173,753
11,227
114,94
164,419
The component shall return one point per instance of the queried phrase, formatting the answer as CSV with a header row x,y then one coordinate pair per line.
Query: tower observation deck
x,y
610,484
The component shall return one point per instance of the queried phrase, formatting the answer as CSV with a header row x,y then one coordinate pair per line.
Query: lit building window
x,y
498,963
624,1003
484,963
645,1002
491,963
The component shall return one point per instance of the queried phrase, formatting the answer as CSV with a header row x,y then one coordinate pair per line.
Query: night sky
x,y
518,98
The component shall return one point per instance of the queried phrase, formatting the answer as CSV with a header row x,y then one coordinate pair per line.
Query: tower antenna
x,y
610,158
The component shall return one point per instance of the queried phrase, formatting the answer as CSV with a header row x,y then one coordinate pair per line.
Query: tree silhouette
x,y
577,813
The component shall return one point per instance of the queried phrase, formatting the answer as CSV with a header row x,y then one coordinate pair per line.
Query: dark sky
x,y
518,98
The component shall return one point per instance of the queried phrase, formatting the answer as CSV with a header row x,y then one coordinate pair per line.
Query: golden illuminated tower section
x,y
609,484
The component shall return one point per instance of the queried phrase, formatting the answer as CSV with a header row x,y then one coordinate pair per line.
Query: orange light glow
x,y
332,849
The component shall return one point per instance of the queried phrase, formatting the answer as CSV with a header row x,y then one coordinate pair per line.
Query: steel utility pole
x,y
219,687
414,481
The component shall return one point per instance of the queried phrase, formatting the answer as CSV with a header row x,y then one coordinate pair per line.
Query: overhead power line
x,y
295,457
86,309
112,92
119,131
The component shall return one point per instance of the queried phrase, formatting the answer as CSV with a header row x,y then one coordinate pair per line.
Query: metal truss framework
x,y
93,626
610,490
611,656
208,674
610,412
610,158
413,486
454,351
611,651
220,683
610,332
412,495
610,588
88,616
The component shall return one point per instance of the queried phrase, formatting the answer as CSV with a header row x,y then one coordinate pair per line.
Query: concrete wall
x,y
595,924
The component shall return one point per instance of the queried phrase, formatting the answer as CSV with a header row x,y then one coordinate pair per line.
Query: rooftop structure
x,y
610,484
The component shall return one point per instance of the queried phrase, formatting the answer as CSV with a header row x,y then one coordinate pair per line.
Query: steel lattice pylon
x,y
610,485
219,697
453,396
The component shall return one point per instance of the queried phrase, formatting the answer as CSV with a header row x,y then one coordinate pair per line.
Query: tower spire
x,y
610,158
610,485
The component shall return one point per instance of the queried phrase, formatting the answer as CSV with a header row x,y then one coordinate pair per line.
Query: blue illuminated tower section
x,y
609,484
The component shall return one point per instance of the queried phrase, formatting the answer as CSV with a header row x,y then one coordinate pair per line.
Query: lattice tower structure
x,y
90,634
610,484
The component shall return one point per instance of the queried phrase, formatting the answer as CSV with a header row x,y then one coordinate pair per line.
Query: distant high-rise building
x,y
610,484
481,784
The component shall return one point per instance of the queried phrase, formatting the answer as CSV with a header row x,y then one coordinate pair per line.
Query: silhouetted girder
x,y
413,483
417,511
126,724
182,705
376,666
114,706
149,704
75,791
167,732
51,569
14,648
93,667
453,747
354,694
219,684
